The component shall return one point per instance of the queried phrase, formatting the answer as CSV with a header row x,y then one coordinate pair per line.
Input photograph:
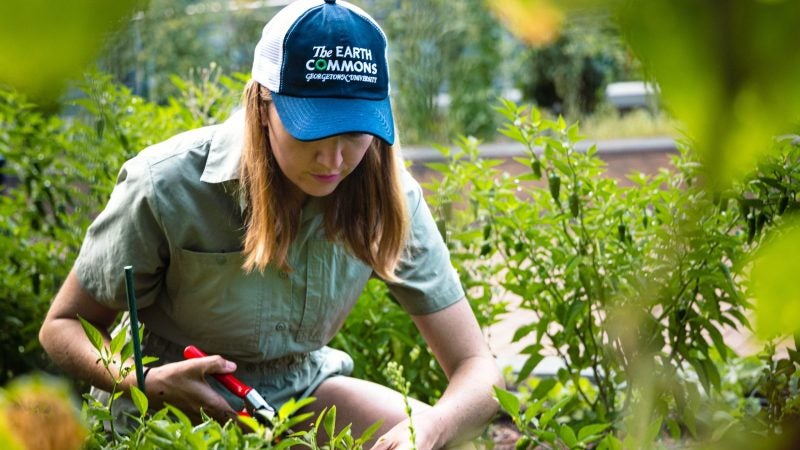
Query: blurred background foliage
x,y
727,74
726,71
450,60
45,43
568,75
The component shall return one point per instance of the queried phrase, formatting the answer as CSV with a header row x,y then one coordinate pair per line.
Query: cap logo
x,y
341,63
325,63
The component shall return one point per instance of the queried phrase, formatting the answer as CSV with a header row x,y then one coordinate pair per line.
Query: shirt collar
x,y
226,150
314,207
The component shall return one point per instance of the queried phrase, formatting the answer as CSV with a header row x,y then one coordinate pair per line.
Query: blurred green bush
x,y
59,173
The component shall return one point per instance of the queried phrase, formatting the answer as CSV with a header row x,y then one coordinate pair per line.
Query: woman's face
x,y
315,167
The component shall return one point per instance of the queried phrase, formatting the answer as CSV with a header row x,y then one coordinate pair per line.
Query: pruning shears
x,y
255,405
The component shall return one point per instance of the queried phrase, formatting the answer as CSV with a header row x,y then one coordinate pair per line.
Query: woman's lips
x,y
326,178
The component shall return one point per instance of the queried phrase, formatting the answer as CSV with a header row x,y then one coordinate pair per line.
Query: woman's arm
x,y
468,403
181,384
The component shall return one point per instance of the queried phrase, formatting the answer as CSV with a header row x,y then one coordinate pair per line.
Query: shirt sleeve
x,y
127,232
428,281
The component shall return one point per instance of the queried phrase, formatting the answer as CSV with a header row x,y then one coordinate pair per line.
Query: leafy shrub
x,y
378,332
169,427
59,173
632,285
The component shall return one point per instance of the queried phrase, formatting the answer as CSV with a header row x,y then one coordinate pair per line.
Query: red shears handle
x,y
232,383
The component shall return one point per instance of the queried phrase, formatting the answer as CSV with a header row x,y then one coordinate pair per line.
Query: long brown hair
x,y
366,213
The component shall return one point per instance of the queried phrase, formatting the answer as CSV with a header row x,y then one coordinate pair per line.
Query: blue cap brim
x,y
310,118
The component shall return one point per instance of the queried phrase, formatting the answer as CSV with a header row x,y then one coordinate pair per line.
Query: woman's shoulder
x,y
411,189
175,151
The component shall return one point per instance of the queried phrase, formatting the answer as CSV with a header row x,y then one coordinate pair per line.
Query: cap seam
x,y
281,76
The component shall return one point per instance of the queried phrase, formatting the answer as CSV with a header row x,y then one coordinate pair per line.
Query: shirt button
x,y
280,326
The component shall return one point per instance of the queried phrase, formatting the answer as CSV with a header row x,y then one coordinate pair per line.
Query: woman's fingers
x,y
213,364
183,385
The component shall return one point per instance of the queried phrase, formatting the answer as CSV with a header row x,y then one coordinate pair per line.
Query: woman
x,y
253,239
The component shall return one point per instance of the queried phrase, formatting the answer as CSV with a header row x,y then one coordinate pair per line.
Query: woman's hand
x,y
183,384
399,437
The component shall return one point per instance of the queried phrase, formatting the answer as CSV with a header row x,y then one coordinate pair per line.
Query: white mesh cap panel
x,y
268,55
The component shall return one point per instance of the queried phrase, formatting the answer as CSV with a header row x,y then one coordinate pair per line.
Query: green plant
x,y
628,283
395,374
536,418
118,351
59,172
378,332
171,428
36,227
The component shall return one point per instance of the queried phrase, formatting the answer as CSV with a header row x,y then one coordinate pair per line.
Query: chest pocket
x,y
216,304
334,281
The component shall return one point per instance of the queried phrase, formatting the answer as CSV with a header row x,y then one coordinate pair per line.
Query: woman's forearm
x,y
467,404
66,343
63,338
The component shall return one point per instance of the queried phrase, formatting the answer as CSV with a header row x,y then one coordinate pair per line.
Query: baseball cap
x,y
325,63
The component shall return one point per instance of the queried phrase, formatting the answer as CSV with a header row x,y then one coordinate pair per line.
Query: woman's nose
x,y
330,153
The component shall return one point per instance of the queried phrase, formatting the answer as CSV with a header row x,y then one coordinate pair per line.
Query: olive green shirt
x,y
175,215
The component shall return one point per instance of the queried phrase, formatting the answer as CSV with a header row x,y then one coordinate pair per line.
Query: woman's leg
x,y
362,403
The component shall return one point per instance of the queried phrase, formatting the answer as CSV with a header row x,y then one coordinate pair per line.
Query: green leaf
x,y
126,352
439,167
548,415
515,134
609,442
545,435
94,335
774,283
369,432
180,415
508,401
674,429
531,412
568,436
529,366
589,431
292,406
139,400
329,423
575,312
298,419
652,431
523,331
292,442
543,388
148,359
117,342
